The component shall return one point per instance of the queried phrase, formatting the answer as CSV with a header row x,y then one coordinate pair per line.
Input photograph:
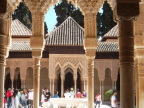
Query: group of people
x,y
113,100
72,94
16,99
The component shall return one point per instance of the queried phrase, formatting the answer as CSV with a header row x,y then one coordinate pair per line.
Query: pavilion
x,y
130,43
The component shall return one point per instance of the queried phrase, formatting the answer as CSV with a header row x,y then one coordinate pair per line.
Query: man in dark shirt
x,y
47,95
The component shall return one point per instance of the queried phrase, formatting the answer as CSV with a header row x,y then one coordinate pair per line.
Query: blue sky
x,y
50,18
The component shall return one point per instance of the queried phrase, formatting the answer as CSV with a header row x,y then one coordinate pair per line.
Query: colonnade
x,y
126,11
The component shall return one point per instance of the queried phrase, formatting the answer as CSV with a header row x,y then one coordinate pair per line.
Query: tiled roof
x,y
112,33
107,47
20,46
69,33
19,29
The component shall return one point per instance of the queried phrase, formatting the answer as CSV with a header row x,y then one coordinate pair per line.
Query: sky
x,y
50,18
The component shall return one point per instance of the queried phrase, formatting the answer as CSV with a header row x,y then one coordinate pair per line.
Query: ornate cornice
x,y
40,6
88,6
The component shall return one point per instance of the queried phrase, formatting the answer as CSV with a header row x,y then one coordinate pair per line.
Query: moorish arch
x,y
44,79
17,80
96,82
69,79
7,79
29,78
108,80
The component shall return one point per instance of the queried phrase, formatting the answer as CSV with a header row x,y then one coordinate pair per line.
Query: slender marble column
x,y
102,89
36,80
75,84
2,66
126,51
5,22
114,85
53,87
23,83
62,86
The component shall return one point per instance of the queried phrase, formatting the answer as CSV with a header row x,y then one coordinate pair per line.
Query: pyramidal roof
x,y
19,29
69,33
113,33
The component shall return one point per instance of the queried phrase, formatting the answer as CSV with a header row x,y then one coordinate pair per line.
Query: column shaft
x,y
62,87
90,84
53,87
2,60
126,46
102,89
22,83
75,85
36,81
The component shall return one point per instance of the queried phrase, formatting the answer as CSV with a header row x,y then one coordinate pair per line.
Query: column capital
x,y
40,6
127,10
88,6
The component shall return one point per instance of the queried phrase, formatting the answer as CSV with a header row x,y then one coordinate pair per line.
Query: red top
x,y
4,101
8,94
78,95
98,97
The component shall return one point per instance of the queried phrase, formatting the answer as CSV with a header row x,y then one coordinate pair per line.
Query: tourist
x,y
72,93
47,95
114,100
43,98
67,94
4,100
98,100
19,95
84,94
8,96
78,94
30,97
15,99
56,95
23,99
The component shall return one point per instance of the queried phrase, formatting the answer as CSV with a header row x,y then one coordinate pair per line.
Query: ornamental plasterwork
x,y
74,60
88,6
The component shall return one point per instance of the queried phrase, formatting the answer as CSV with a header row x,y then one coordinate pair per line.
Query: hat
x,y
9,89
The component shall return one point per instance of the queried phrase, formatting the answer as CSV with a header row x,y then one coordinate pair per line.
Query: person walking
x,y
98,100
56,95
8,98
47,95
23,99
72,93
30,97
114,100
15,99
78,94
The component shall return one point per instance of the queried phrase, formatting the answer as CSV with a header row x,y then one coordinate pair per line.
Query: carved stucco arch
x,y
81,68
69,65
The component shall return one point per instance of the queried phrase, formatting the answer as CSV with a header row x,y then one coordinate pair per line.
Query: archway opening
x,y
69,82
118,81
44,79
17,80
107,81
59,84
29,78
7,79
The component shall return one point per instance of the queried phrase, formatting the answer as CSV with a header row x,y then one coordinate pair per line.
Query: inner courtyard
x,y
71,56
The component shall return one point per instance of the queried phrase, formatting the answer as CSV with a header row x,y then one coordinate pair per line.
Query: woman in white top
x,y
30,97
15,99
